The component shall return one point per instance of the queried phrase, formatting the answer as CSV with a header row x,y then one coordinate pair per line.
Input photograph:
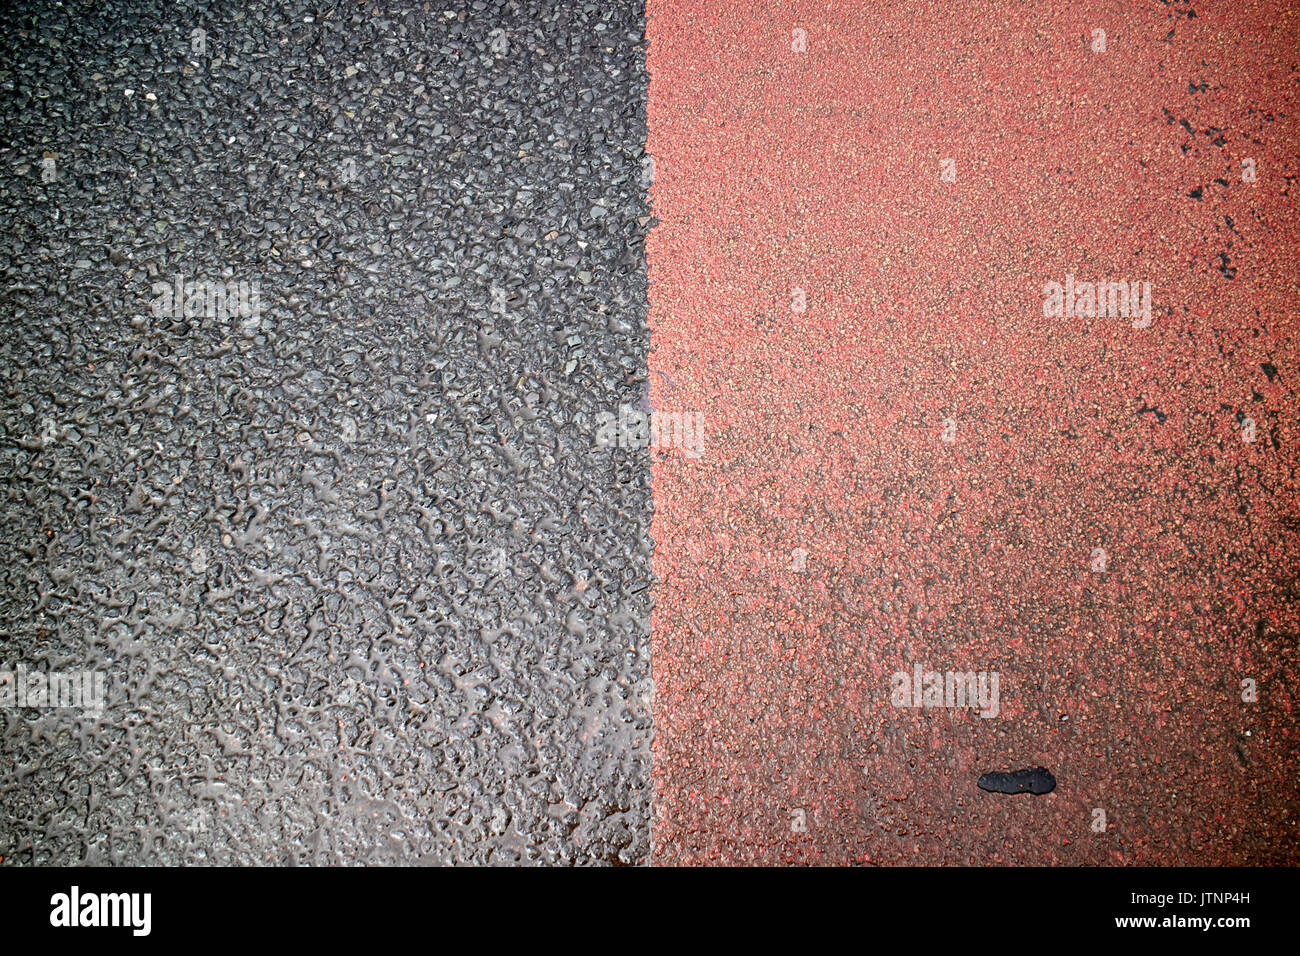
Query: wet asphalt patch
x,y
307,316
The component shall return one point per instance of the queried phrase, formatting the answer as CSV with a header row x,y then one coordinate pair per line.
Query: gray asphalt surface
x,y
363,587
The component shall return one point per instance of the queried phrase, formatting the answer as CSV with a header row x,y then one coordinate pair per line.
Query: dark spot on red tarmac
x,y
1035,780
1149,410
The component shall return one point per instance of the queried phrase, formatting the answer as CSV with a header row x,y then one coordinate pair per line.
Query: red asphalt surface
x,y
777,169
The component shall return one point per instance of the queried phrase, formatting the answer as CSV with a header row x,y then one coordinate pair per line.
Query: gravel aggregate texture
x,y
332,522
911,464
